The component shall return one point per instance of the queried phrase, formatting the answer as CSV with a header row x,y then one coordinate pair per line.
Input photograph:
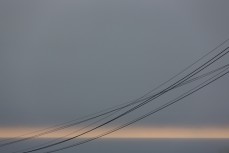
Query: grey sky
x,y
63,59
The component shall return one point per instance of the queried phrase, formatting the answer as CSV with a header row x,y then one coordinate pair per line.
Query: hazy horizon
x,y
64,59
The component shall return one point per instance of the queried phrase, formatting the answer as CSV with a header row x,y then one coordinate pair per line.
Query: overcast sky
x,y
63,59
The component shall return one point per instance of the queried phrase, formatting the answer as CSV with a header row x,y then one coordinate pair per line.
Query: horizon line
x,y
129,133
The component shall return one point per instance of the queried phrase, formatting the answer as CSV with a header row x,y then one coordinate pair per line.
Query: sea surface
x,y
141,146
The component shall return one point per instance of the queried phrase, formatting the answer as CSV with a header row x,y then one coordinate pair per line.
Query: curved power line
x,y
100,113
225,67
199,69
190,92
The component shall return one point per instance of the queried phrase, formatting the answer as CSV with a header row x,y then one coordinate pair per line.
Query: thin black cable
x,y
199,69
206,64
185,69
206,74
204,84
91,118
186,82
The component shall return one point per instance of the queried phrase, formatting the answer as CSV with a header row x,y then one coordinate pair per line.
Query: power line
x,y
190,92
91,124
101,113
225,67
199,69
105,113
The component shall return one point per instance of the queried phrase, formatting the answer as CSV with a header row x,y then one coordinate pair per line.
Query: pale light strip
x,y
143,132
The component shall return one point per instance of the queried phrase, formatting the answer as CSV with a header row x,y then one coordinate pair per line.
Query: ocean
x,y
141,146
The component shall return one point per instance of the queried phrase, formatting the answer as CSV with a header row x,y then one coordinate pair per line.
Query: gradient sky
x,y
64,59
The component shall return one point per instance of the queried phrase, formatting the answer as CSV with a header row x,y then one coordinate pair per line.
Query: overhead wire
x,y
196,71
78,130
102,113
190,92
225,67
90,118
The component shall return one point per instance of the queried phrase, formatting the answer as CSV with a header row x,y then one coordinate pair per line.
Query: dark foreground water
x,y
144,146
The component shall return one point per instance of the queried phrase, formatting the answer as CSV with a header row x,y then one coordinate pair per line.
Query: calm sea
x,y
142,146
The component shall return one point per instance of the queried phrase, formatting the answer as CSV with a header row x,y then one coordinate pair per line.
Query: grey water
x,y
141,146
